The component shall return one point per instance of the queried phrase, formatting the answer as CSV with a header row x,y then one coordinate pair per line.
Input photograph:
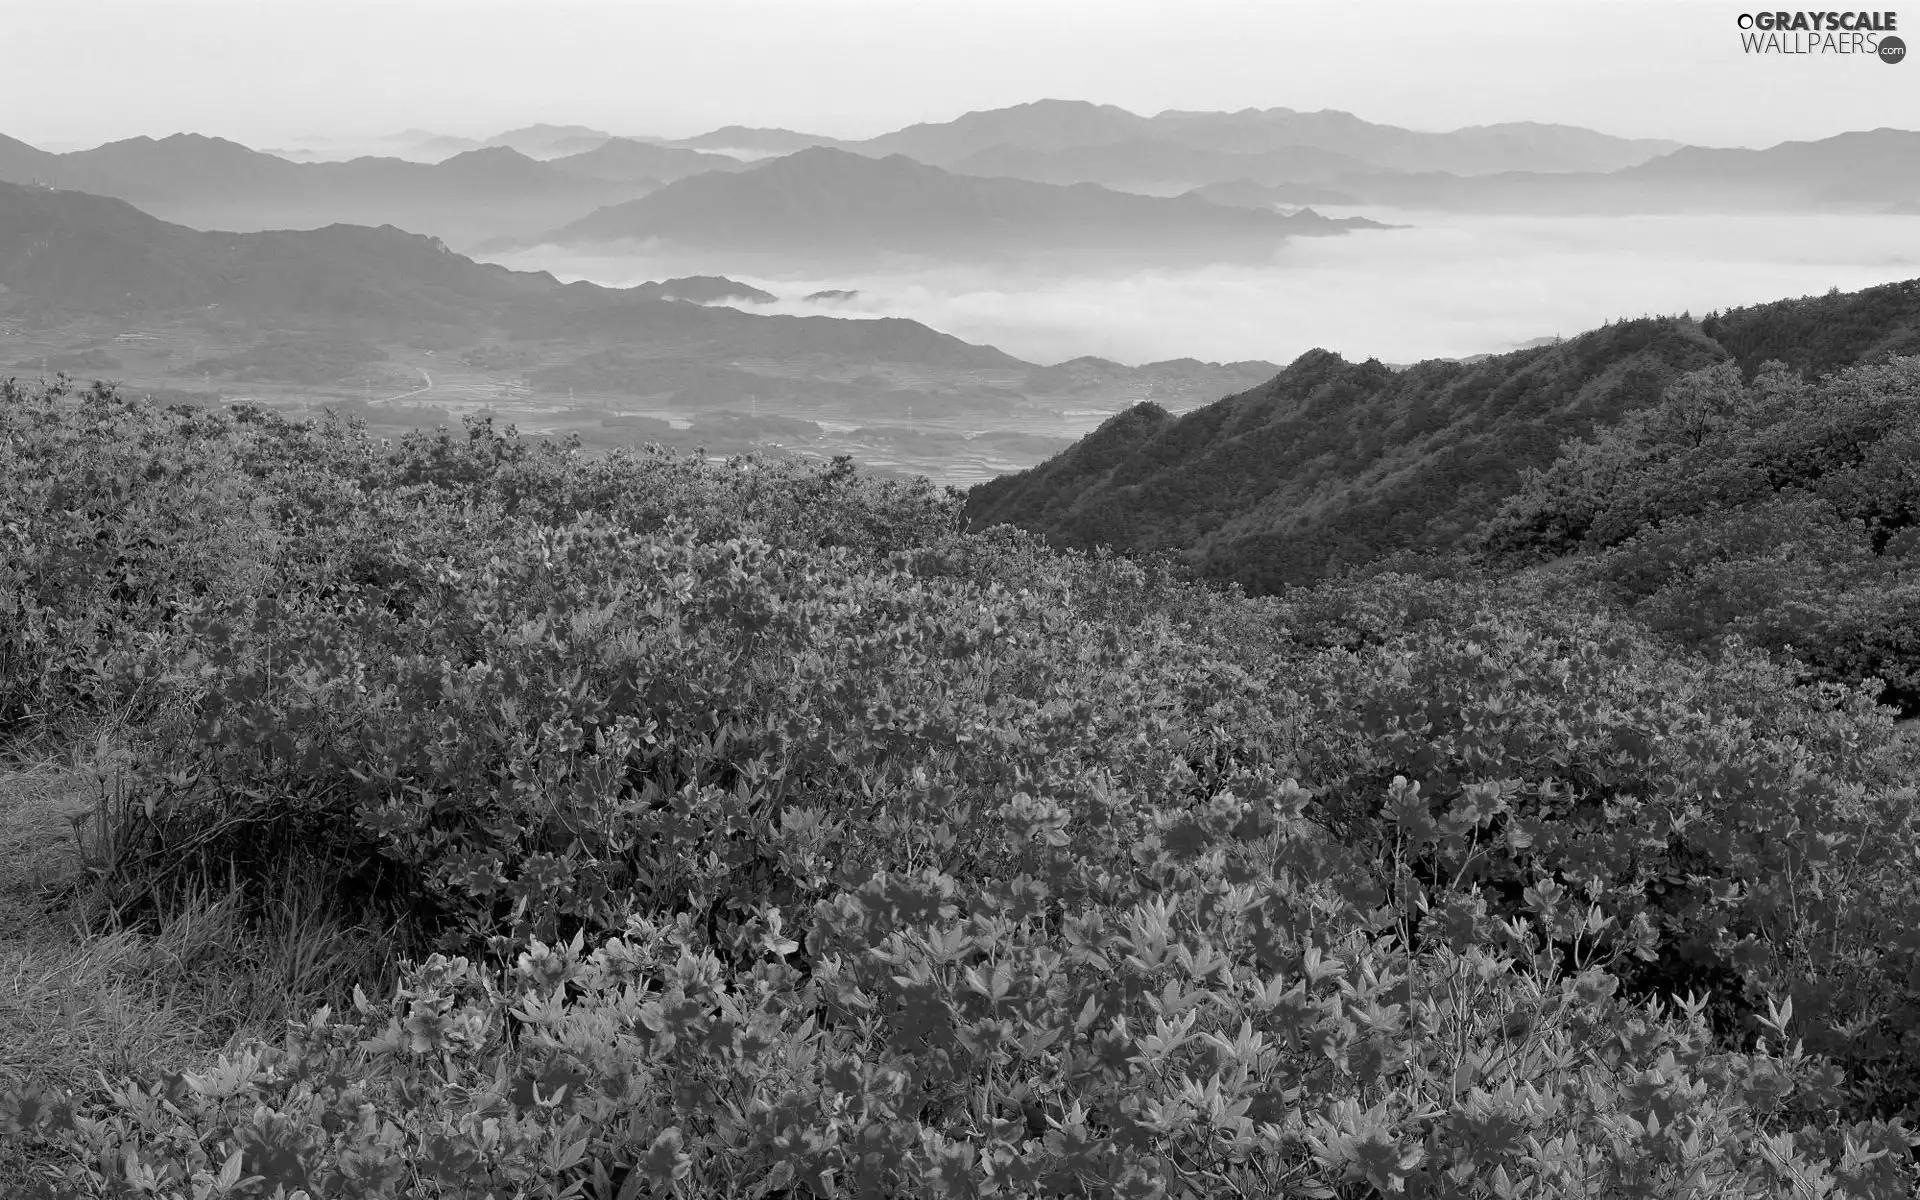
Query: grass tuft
x,y
85,999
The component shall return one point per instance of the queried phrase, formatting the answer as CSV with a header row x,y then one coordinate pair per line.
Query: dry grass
x,y
80,1006
118,1004
38,851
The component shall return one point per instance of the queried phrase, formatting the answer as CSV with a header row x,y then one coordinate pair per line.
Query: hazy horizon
x,y
282,72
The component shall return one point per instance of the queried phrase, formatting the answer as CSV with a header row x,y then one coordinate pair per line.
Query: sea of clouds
x,y
1444,285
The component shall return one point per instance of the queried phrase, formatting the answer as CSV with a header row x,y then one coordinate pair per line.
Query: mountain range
x,y
65,255
214,183
1052,126
535,141
1333,157
92,284
742,139
1870,170
522,183
825,205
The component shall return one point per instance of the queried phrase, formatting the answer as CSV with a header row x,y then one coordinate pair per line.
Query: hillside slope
x,y
67,254
1335,463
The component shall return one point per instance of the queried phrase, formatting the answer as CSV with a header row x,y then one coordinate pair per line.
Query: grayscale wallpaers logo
x,y
1866,34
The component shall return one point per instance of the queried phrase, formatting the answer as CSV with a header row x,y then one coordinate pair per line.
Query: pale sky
x,y
267,72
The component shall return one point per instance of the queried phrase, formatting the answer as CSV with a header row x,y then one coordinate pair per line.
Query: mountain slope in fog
x,y
215,183
1875,170
630,160
549,141
1146,163
704,289
1045,125
1248,193
753,139
1869,166
1053,126
1334,463
69,254
1474,150
65,254
824,204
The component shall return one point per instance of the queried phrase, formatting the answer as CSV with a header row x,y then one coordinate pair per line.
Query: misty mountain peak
x,y
544,130
1050,106
833,157
178,143
488,154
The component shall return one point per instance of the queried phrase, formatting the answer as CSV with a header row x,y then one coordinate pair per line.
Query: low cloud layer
x,y
1448,286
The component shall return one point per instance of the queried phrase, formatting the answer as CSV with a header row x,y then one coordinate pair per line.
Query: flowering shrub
x,y
1741,833
1202,1037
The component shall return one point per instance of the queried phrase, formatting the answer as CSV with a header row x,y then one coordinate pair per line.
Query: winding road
x,y
417,391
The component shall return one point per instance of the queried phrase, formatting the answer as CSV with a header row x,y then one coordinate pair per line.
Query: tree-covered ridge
x,y
1819,334
763,833
1335,463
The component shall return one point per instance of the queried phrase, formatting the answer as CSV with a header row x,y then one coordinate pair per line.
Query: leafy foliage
x,y
1777,511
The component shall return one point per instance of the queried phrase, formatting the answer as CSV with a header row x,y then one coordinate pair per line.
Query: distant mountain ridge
x,y
756,139
705,289
629,160
549,141
827,202
1341,158
65,254
345,304
1142,163
1871,170
1061,125
1847,167
212,182
1057,125
540,178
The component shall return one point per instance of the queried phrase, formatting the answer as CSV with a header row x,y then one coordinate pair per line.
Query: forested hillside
x,y
743,829
1818,334
1333,464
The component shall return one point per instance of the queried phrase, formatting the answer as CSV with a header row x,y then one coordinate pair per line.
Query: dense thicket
x,y
768,835
1777,511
